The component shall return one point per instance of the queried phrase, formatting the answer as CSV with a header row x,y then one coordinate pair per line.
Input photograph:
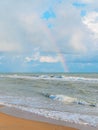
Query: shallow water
x,y
53,95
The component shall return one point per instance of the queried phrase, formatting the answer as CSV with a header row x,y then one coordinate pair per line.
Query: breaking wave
x,y
50,77
68,100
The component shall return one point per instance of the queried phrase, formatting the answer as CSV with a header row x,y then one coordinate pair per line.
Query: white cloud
x,y
63,34
7,47
38,32
41,58
70,32
35,56
77,42
21,27
49,59
28,59
91,21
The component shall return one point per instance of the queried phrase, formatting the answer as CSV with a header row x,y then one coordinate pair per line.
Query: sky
x,y
49,36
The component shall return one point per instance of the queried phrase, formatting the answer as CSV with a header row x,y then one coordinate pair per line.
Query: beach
x,y
13,119
51,101
12,123
8,122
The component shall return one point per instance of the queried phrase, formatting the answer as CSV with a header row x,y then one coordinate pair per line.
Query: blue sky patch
x,y
79,5
50,25
83,13
48,14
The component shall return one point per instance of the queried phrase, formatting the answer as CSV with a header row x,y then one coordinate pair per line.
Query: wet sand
x,y
15,119
8,122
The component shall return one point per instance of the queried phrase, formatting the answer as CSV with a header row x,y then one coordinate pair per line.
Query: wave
x,y
67,99
50,77
53,114
62,98
76,118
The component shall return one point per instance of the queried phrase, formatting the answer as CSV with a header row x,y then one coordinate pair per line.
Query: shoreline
x,y
18,114
9,122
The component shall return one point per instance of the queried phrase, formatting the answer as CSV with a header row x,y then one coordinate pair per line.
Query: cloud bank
x,y
55,27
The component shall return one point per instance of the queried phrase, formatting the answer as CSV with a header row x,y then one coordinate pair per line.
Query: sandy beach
x,y
13,123
14,119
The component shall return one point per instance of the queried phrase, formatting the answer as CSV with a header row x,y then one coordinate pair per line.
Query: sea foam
x,y
51,77
60,116
67,100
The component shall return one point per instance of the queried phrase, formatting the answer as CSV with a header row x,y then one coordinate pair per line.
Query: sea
x,y
71,97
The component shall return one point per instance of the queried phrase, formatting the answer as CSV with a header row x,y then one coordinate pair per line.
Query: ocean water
x,y
66,97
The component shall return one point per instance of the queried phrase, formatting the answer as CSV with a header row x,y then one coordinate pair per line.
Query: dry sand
x,y
13,123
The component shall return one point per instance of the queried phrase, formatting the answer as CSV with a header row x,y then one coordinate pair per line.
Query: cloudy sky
x,y
49,36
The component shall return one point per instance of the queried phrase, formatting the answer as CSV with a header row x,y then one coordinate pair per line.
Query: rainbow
x,y
58,51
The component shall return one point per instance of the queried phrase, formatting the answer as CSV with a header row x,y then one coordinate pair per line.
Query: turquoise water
x,y
53,95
